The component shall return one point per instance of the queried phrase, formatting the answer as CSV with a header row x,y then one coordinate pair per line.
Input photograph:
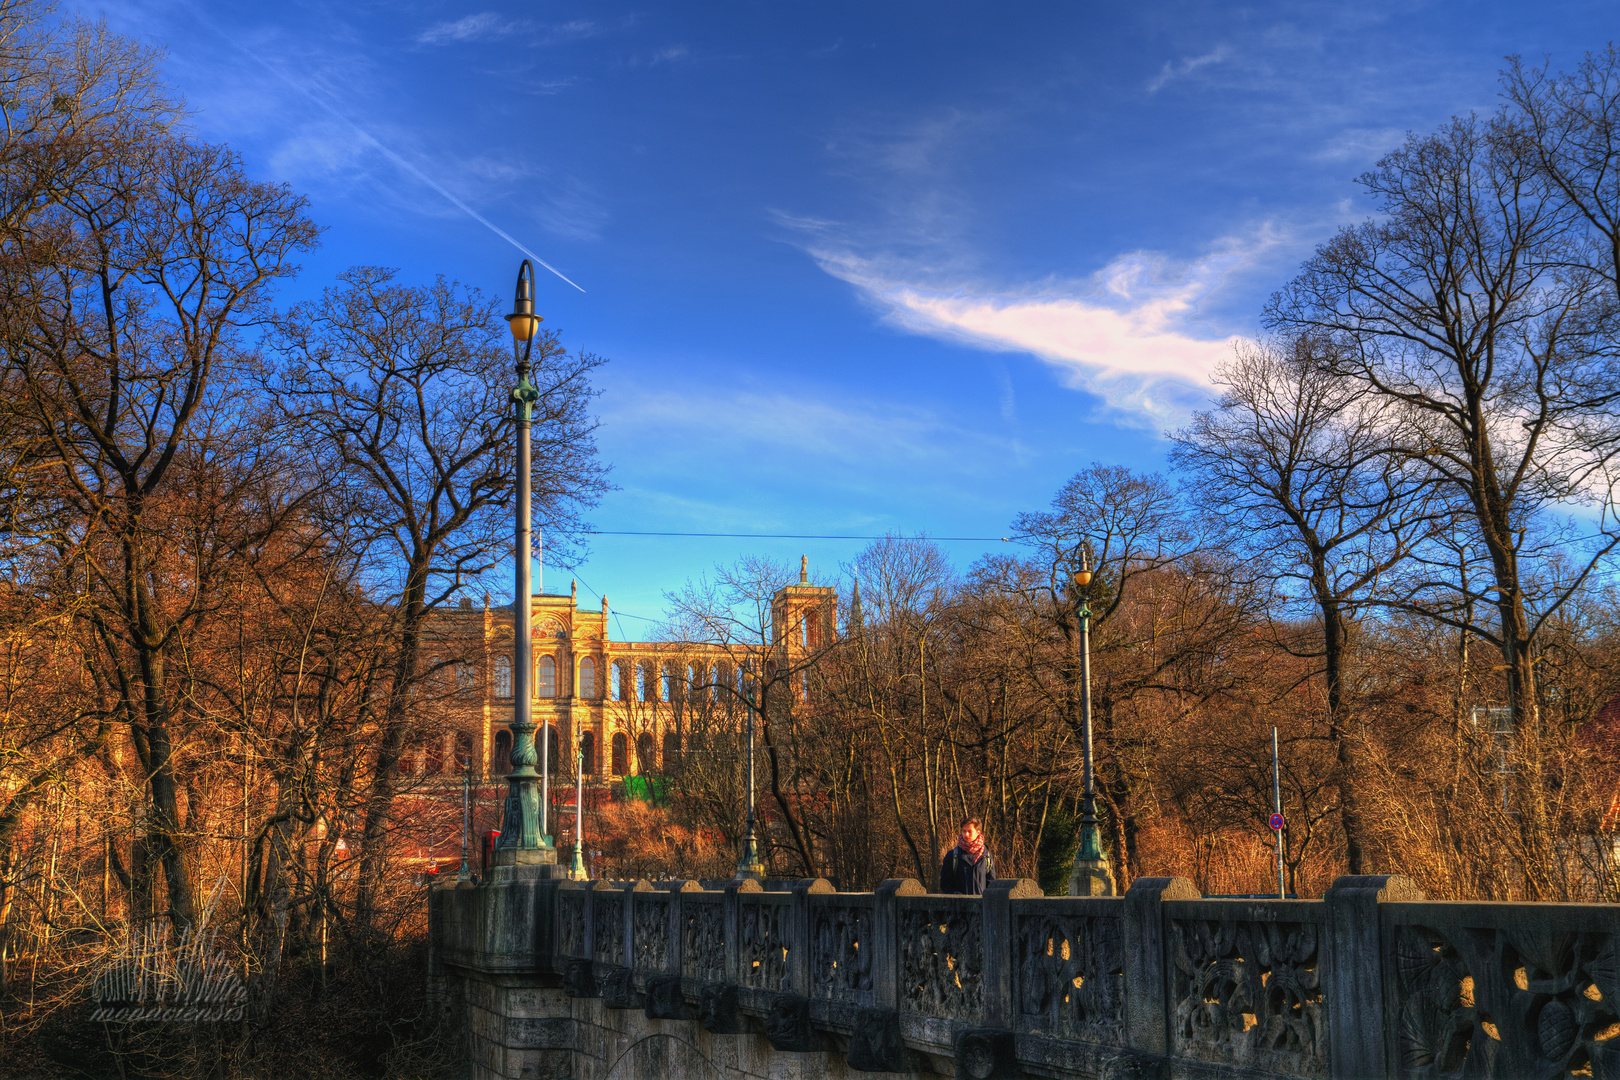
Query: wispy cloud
x,y
488,26
1180,69
1129,335
1360,144
480,27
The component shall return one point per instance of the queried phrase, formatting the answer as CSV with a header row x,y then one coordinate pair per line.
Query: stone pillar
x,y
1358,1037
885,939
732,920
1148,1007
1000,950
799,973
677,924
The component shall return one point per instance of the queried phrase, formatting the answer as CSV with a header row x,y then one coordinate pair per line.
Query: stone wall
x,y
636,981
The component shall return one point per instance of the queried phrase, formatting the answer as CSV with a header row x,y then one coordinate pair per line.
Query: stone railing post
x,y
640,885
885,939
999,948
677,923
799,971
1354,985
732,921
1148,1005
588,901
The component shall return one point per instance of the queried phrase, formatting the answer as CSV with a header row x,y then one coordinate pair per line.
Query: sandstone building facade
x,y
632,707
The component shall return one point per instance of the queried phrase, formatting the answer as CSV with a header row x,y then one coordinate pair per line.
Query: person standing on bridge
x,y
968,865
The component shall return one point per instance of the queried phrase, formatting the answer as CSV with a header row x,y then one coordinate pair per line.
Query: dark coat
x,y
958,875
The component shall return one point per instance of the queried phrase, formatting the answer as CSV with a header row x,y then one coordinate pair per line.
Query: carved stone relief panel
x,y
942,961
765,945
609,915
841,957
1249,994
1527,1001
1071,977
704,954
571,923
652,934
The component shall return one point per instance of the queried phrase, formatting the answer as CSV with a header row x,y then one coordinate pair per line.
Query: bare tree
x,y
1293,463
1469,307
404,390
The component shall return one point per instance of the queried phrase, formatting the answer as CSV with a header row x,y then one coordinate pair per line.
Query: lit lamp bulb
x,y
1082,576
523,320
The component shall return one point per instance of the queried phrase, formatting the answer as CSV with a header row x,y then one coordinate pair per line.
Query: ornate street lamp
x,y
523,840
464,875
1092,875
576,872
749,864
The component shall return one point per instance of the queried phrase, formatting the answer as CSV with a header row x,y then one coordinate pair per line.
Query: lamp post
x,y
576,872
523,840
1092,875
748,863
464,875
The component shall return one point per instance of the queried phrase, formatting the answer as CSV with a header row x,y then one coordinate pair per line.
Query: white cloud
x,y
487,26
1360,144
1174,70
1129,335
480,27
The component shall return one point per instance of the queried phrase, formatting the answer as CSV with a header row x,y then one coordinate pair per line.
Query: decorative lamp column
x,y
1092,875
576,872
749,864
464,875
523,840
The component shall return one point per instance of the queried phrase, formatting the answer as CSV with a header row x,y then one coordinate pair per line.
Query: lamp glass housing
x,y
523,324
1082,578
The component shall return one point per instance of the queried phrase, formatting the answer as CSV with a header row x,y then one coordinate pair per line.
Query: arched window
x,y
587,748
694,679
466,678
617,680
587,678
547,685
503,676
503,754
646,754
433,761
464,745
716,681
647,682
672,751
621,754
666,677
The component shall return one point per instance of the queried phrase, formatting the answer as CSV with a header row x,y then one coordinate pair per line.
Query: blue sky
x,y
859,267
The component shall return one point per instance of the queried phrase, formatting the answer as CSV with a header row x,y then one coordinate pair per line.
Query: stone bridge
x,y
671,980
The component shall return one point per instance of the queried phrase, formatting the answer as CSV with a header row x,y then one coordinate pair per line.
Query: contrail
x,y
371,140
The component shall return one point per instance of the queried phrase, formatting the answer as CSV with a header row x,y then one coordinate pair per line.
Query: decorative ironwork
x,y
942,961
704,953
1529,1001
840,955
1249,994
1070,976
571,923
765,945
609,927
652,933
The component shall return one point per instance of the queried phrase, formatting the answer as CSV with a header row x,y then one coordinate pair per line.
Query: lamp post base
x,y
541,856
576,870
1092,877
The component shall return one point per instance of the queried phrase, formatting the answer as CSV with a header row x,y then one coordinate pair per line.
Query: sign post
x,y
1276,815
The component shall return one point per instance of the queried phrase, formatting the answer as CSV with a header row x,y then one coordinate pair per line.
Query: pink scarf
x,y
973,849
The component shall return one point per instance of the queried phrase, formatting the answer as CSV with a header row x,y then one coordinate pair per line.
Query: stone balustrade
x,y
1370,981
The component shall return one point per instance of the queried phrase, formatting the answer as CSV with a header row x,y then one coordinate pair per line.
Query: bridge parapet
x,y
1370,981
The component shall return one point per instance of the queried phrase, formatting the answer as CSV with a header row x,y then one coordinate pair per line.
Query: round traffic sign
x,y
1277,821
